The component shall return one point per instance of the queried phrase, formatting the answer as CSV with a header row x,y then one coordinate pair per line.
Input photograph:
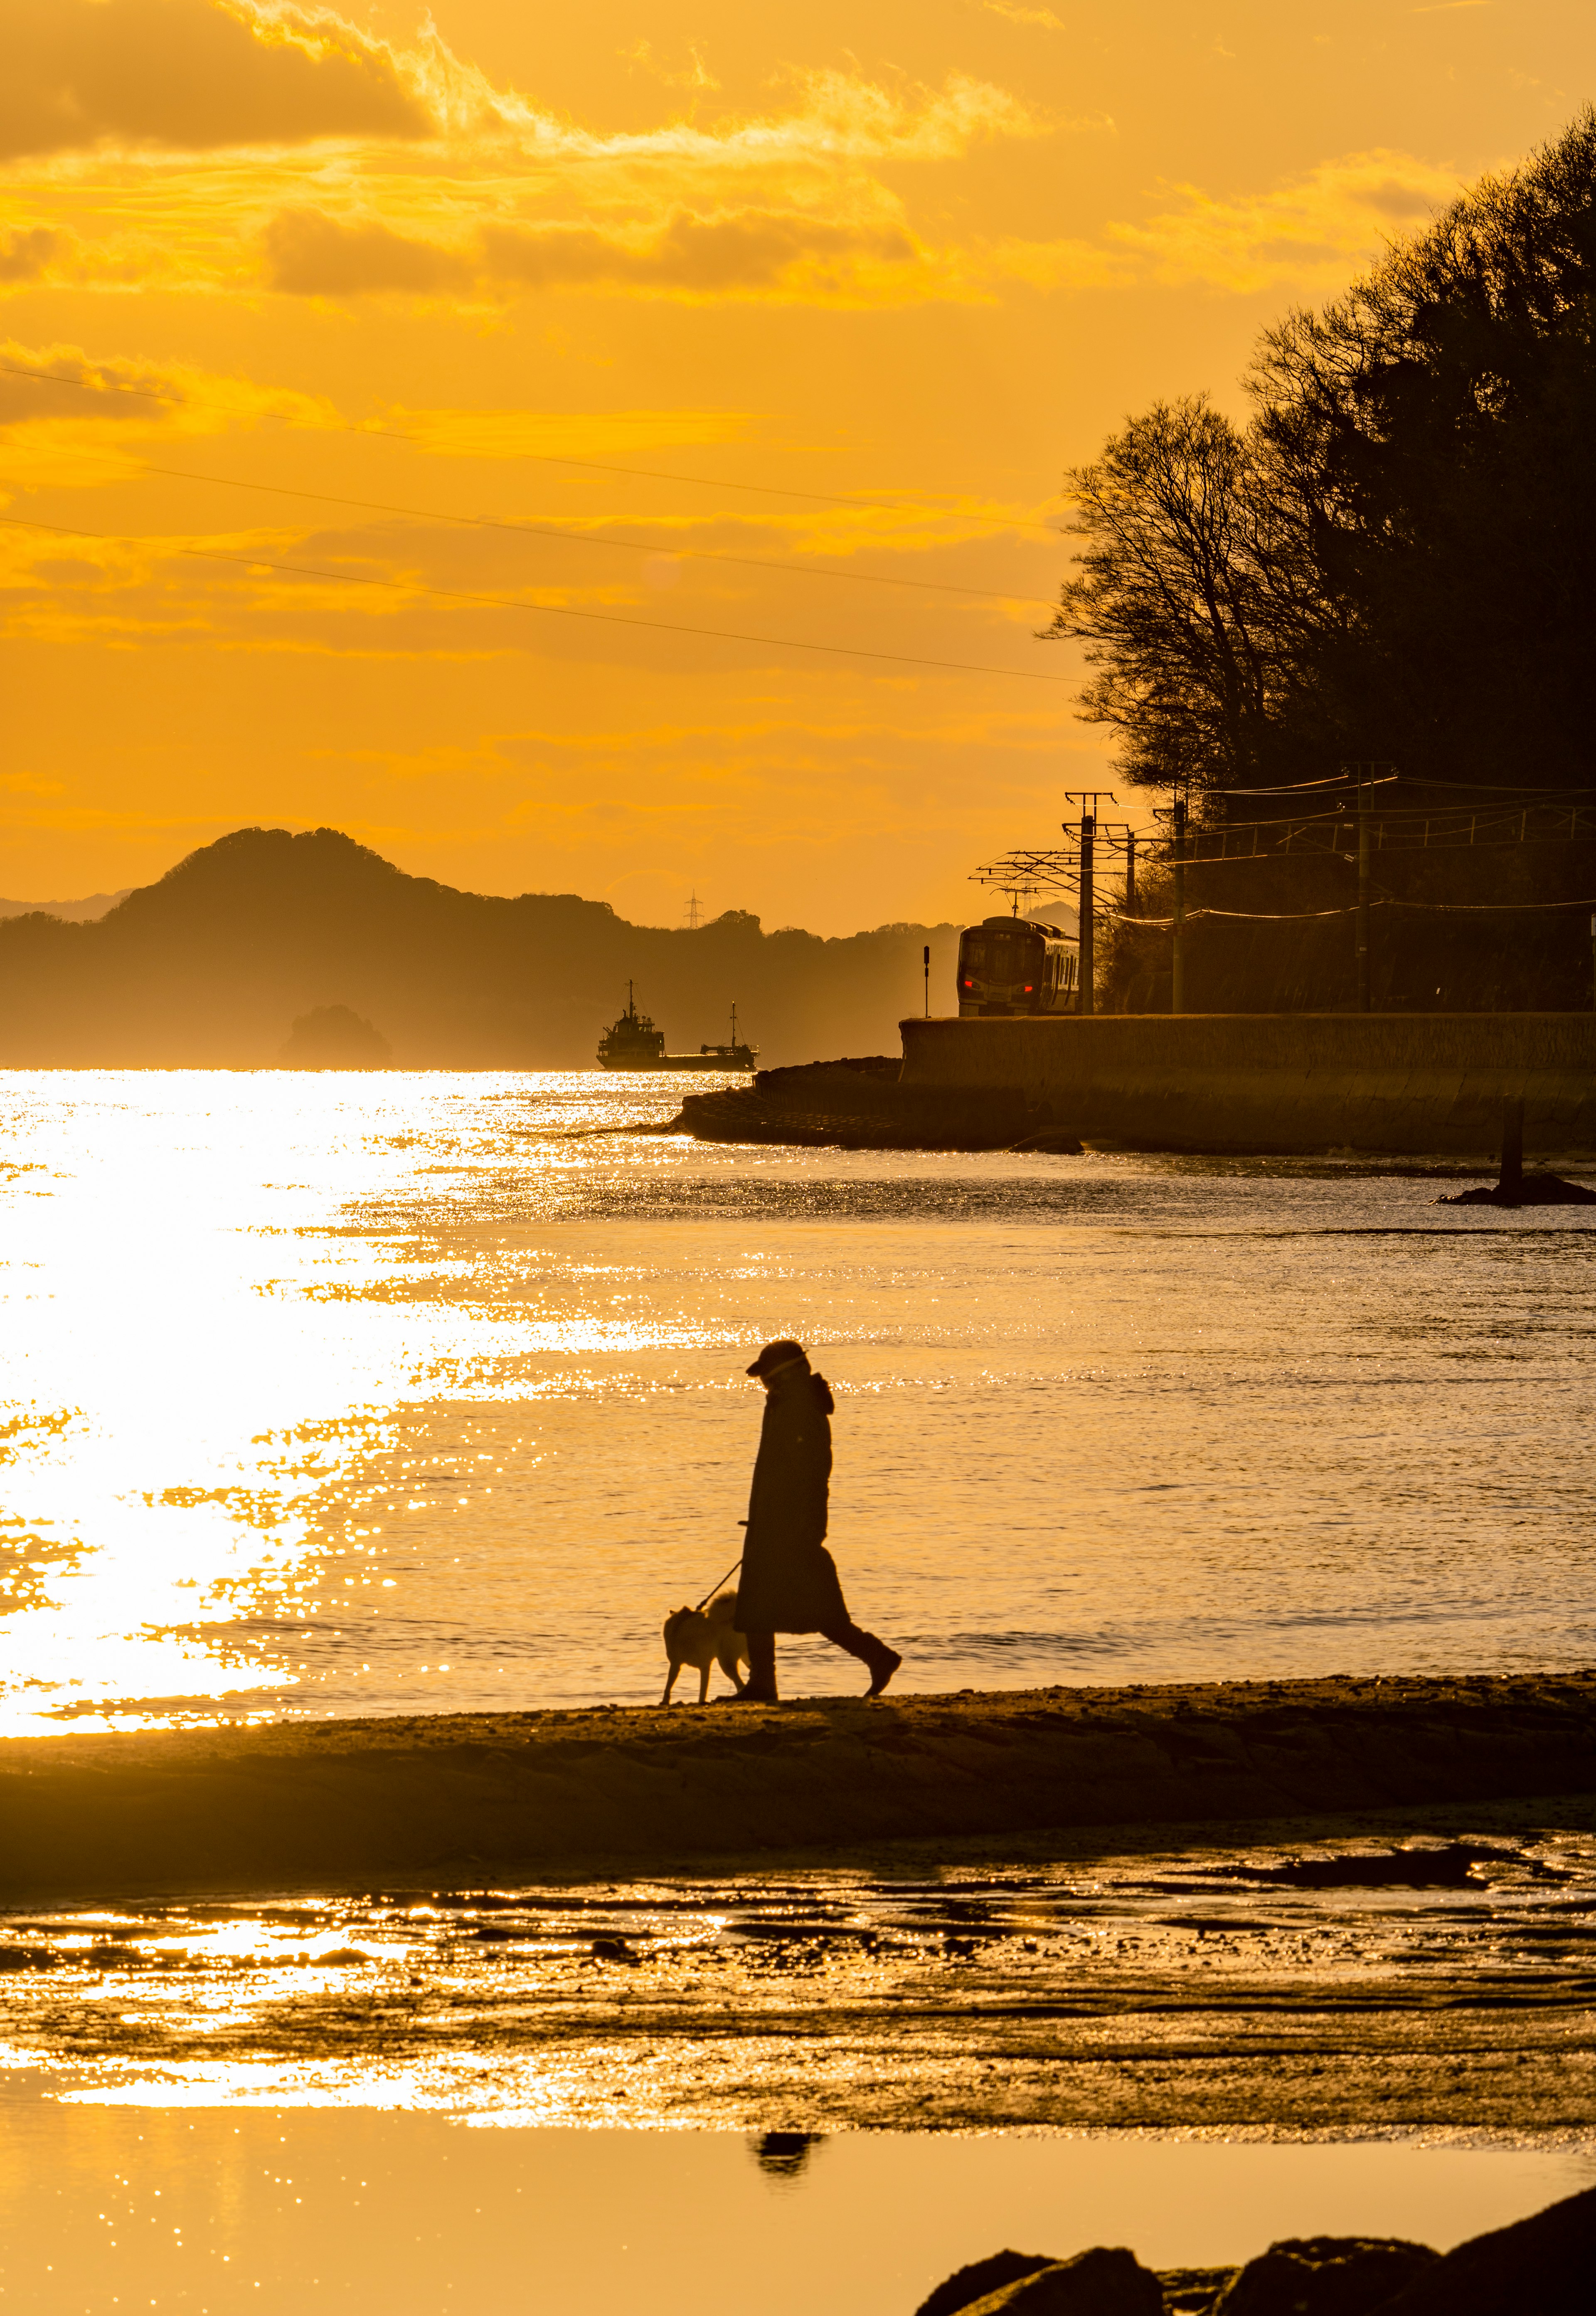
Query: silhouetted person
x,y
789,1582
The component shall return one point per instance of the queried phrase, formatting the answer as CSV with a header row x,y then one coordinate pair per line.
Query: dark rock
x,y
860,1105
1194,2291
1096,2283
332,1038
982,2277
1540,2267
1531,1190
1426,1866
1326,2276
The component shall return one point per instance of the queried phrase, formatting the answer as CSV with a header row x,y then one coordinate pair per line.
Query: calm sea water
x,y
344,1394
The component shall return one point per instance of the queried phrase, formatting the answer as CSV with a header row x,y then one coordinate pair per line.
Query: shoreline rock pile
x,y
1539,2267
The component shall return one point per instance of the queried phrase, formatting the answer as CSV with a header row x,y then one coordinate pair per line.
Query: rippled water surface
x,y
353,1395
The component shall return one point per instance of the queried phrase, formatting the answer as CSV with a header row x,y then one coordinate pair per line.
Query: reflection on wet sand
x,y
1355,1980
278,2212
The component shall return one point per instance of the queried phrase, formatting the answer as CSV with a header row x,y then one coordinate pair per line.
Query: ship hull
x,y
684,1062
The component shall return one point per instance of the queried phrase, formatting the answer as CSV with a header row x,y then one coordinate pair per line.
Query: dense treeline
x,y
210,967
1395,557
1392,562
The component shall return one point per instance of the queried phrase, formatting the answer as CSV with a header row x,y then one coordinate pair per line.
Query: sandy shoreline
x,y
629,1788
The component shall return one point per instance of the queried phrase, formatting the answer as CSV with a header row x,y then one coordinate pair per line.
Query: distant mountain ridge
x,y
209,966
77,913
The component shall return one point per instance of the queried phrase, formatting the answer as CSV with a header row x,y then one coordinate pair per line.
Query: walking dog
x,y
703,1638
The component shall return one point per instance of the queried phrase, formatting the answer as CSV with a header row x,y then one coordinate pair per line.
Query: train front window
x,y
1010,956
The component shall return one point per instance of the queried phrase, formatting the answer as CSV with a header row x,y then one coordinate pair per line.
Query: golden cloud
x,y
1314,225
749,249
25,253
757,252
185,75
250,130
1043,19
43,384
311,255
69,419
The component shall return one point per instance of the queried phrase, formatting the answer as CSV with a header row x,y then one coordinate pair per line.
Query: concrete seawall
x,y
1287,1082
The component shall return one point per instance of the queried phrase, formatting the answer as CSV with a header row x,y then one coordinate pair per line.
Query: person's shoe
x,y
884,1664
751,1695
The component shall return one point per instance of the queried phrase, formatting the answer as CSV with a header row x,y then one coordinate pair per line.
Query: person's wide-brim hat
x,y
777,1355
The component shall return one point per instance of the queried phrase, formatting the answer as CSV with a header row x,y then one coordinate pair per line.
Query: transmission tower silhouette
x,y
695,915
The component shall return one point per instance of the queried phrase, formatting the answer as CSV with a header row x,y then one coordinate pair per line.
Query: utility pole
x,y
1089,800
1362,894
1089,958
928,980
1366,775
1177,962
1129,872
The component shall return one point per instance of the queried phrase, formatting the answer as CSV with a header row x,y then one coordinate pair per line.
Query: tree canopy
x,y
1394,557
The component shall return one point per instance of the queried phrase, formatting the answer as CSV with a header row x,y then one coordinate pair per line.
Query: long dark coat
x,y
789,1579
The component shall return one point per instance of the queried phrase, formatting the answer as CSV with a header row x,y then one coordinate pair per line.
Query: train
x,y
1016,965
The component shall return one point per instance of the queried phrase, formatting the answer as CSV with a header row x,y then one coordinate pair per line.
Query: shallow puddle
x,y
103,2210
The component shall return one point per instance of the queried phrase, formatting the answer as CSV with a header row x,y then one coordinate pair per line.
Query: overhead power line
x,y
550,458
1388,901
515,603
587,537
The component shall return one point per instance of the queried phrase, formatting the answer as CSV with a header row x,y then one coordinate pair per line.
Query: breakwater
x,y
1285,1083
1278,1083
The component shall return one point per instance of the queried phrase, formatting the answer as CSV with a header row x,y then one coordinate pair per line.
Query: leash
x,y
715,1587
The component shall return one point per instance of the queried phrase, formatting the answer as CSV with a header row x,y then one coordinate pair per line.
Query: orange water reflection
x,y
347,1394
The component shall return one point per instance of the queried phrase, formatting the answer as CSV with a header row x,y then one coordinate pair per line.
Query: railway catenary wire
x,y
549,458
587,538
417,587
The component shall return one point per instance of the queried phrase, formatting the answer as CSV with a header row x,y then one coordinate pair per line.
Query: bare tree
x,y
1175,595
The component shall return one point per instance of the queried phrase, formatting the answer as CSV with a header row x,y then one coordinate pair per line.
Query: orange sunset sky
x,y
341,290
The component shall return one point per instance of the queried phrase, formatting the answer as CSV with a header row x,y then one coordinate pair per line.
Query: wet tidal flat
x,y
1432,1974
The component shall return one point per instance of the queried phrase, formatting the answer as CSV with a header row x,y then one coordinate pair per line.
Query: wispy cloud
x,y
259,140
1043,19
1310,228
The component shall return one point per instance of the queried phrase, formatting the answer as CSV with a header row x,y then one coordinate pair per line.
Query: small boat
x,y
633,1043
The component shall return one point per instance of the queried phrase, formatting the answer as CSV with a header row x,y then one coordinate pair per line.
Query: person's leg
x,y
881,1661
759,1688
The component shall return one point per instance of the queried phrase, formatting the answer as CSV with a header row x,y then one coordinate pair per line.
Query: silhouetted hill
x,y
211,965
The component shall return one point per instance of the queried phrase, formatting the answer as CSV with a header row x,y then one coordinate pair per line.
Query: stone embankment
x,y
635,1786
1540,2267
1399,1083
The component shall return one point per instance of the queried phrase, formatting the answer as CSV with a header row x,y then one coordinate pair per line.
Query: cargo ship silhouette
x,y
633,1043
